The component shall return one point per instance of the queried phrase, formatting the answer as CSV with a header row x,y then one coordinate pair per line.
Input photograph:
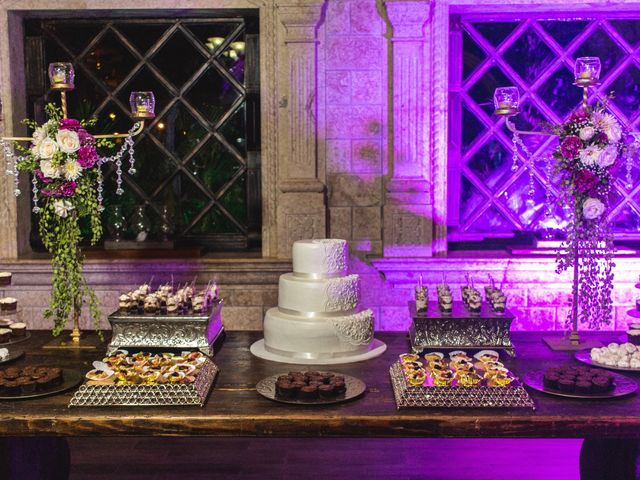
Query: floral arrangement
x,y
591,143
66,181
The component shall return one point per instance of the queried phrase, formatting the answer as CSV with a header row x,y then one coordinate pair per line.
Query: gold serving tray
x,y
512,396
151,395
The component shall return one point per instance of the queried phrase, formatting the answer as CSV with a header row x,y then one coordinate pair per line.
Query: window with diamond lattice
x,y
197,162
491,195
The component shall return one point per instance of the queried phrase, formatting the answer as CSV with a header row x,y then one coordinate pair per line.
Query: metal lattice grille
x,y
537,55
198,157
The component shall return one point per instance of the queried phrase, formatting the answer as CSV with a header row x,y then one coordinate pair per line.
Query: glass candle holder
x,y
587,71
506,100
61,76
143,105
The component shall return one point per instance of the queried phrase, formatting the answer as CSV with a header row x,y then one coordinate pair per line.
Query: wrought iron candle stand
x,y
142,104
506,103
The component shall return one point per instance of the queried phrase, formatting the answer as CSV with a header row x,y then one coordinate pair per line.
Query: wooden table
x,y
235,409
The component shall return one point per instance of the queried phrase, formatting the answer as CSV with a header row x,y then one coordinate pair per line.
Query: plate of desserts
x,y
36,381
311,388
615,356
580,382
12,332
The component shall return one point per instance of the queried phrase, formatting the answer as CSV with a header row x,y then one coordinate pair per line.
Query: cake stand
x,y
376,348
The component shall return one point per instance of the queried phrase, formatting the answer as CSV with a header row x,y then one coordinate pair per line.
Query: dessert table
x,y
235,409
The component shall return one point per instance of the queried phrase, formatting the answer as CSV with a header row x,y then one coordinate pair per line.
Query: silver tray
x,y
622,387
585,357
456,397
149,331
157,395
355,387
70,379
460,329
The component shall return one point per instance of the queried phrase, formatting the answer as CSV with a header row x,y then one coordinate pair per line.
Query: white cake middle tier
x,y
297,294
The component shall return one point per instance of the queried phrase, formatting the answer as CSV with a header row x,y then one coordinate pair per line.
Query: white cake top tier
x,y
325,257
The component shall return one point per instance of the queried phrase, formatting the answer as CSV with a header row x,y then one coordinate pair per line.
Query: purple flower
x,y
601,137
70,124
85,137
41,176
87,156
68,189
585,181
570,146
578,116
45,192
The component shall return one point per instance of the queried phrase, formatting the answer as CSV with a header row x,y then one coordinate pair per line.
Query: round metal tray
x,y
585,357
355,387
14,354
71,379
622,386
26,336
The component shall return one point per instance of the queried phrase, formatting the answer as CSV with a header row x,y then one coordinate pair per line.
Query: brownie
x,y
602,384
315,383
316,378
583,386
43,383
550,380
284,378
11,387
308,392
298,385
327,391
337,378
313,374
340,387
286,390
28,386
566,385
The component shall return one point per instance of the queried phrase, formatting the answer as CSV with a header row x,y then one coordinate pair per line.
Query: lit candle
x,y
58,77
585,74
504,104
141,108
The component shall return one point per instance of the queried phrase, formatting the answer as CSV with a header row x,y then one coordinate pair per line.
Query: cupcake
x,y
5,335
124,302
5,279
18,329
634,337
5,322
8,304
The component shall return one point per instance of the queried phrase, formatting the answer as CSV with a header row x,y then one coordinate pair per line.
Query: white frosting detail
x,y
340,294
323,257
356,329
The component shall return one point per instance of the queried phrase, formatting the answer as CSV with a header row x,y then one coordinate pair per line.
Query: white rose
x,y
62,208
589,156
68,141
72,170
586,133
48,170
592,208
607,156
47,148
39,135
614,132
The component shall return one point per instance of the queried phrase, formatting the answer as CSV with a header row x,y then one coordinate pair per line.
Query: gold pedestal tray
x,y
152,395
456,397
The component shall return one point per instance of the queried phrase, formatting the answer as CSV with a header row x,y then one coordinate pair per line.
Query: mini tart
x,y
443,379
99,376
149,376
416,378
174,377
433,357
500,381
409,357
487,356
412,366
468,379
183,368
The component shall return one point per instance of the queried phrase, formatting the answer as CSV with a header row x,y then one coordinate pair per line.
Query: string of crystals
x,y
99,189
127,147
12,165
630,154
517,142
34,189
548,210
132,170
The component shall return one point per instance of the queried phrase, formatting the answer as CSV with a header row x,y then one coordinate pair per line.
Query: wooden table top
x,y
235,408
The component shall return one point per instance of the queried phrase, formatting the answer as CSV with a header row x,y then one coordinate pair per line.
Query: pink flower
x,y
585,181
41,176
68,189
70,124
601,138
570,146
578,116
85,137
87,156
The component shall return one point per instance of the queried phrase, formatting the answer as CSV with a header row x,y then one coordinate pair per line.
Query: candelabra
x,y
507,104
142,104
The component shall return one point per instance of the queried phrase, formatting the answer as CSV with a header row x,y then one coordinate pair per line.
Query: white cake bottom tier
x,y
317,337
329,295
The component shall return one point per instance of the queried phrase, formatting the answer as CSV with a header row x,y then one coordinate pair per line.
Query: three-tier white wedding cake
x,y
317,320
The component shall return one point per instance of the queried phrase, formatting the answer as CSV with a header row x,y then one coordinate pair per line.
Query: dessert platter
x,y
146,379
470,323
7,355
182,318
318,319
311,388
456,380
12,331
36,381
615,356
580,382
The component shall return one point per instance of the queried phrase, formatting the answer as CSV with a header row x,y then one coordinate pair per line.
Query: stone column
x,y
408,209
301,206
